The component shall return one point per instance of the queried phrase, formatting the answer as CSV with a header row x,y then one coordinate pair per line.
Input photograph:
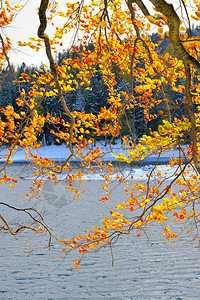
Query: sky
x,y
25,25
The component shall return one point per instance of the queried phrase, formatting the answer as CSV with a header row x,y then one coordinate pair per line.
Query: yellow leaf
x,y
103,23
122,157
160,30
151,19
95,3
166,56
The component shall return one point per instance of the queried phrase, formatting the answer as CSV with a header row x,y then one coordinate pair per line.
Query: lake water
x,y
141,270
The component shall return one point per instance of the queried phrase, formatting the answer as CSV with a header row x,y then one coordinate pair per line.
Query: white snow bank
x,y
61,153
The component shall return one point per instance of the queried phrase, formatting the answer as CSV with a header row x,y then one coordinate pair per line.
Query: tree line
x,y
91,100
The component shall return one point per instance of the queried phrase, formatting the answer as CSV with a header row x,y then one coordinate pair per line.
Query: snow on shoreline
x,y
60,153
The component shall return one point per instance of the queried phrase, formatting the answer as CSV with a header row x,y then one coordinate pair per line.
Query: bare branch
x,y
189,23
142,7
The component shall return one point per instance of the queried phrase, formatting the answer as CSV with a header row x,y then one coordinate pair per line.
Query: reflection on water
x,y
141,270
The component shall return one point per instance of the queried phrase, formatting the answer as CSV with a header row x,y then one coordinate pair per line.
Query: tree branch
x,y
142,7
174,23
45,37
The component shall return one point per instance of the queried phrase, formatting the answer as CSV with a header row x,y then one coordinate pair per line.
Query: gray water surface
x,y
141,270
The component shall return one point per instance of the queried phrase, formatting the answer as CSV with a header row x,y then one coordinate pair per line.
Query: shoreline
x,y
61,153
